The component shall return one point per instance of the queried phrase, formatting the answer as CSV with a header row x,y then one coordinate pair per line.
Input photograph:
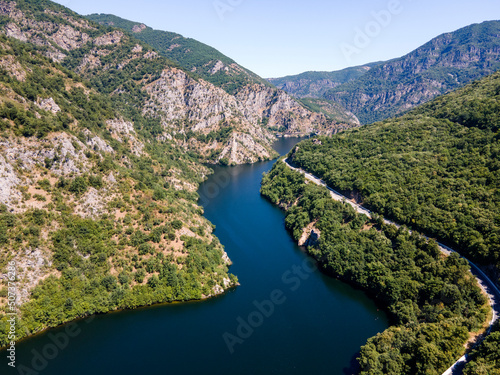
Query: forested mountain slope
x,y
95,213
445,63
253,91
433,300
196,57
196,115
436,169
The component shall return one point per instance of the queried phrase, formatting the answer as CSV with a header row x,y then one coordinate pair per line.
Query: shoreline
x,y
93,316
483,281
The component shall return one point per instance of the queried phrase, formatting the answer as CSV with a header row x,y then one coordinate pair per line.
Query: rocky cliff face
x,y
444,64
310,87
237,127
281,112
192,110
89,194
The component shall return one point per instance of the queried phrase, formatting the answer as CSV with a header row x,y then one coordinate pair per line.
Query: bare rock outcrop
x,y
97,143
13,68
48,105
8,183
188,105
123,131
114,37
138,28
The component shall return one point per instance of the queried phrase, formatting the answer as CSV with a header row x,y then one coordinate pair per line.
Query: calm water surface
x,y
315,325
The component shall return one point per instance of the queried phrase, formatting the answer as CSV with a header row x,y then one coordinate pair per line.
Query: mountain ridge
x,y
196,57
118,64
313,84
445,63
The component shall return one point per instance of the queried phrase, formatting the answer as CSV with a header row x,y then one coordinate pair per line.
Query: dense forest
x,y
485,360
436,169
433,300
110,211
196,57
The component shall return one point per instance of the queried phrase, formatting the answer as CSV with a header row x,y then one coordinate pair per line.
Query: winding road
x,y
484,281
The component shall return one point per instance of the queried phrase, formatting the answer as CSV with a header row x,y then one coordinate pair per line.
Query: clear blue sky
x,y
275,38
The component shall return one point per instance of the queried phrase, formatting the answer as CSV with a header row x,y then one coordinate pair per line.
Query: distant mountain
x,y
211,65
315,84
331,110
194,56
310,89
445,63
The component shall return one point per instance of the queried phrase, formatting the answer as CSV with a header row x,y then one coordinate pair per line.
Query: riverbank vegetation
x,y
96,213
433,300
436,169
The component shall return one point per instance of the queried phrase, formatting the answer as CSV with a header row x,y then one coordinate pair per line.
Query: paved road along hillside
x,y
484,281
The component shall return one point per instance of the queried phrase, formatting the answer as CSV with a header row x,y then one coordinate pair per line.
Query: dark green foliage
x,y
177,224
145,248
485,359
433,301
189,53
83,237
78,185
95,181
475,106
423,170
40,83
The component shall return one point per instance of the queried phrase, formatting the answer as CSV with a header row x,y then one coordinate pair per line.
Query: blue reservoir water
x,y
285,317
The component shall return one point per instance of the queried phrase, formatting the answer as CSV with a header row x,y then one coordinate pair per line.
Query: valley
x,y
145,206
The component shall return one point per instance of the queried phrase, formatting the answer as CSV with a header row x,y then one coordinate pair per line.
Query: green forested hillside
x,y
189,53
485,359
96,213
436,169
433,300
